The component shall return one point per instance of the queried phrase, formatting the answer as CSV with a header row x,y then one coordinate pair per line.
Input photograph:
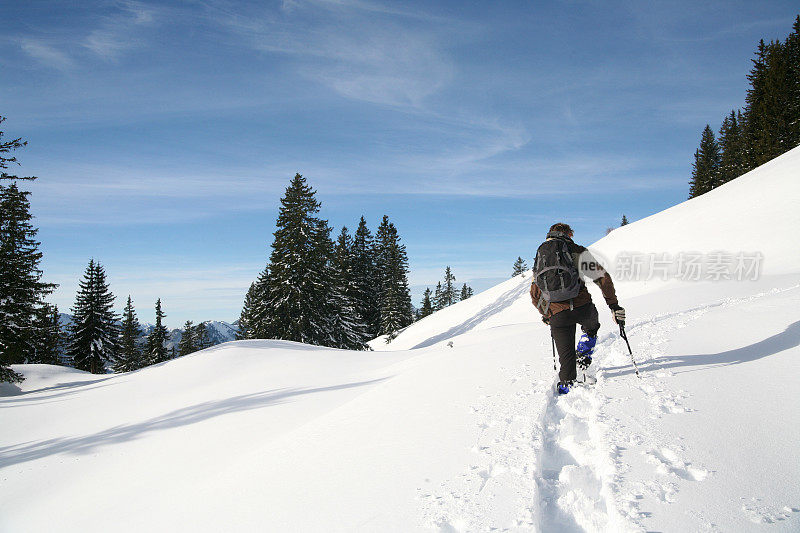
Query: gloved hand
x,y
618,313
546,320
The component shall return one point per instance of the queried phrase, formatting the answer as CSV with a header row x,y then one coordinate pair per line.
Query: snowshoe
x,y
584,351
563,387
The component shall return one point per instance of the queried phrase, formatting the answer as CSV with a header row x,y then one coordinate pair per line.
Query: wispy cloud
x,y
357,49
47,54
119,32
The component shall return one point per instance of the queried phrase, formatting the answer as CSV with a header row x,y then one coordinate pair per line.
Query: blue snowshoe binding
x,y
585,350
563,387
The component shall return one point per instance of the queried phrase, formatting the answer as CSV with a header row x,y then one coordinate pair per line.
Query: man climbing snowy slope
x,y
561,296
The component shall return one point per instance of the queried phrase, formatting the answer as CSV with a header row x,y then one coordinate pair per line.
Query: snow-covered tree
x,y
157,340
706,166
466,292
347,326
93,334
392,274
201,337
49,338
366,283
437,297
130,356
427,306
519,267
188,343
22,290
296,301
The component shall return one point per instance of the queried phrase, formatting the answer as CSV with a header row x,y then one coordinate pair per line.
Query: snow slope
x,y
453,426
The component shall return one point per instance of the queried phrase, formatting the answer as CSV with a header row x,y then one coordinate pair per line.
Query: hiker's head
x,y
562,228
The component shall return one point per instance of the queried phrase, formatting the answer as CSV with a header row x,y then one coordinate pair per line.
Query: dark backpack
x,y
555,273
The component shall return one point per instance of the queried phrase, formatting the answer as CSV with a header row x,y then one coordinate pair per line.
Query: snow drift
x,y
454,426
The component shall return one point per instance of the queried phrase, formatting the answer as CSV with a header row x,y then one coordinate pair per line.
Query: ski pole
x,y
554,353
625,338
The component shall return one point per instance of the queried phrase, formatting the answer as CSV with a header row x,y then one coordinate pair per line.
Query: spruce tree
x,y
366,283
255,316
246,316
348,327
392,273
22,290
188,342
130,356
732,160
296,302
201,336
466,292
49,339
520,267
157,340
449,295
93,334
624,221
427,307
793,84
706,166
438,303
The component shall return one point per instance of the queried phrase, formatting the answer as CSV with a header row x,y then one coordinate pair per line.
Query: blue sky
x,y
164,133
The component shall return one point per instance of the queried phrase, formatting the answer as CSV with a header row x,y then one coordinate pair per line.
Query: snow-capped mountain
x,y
454,426
217,331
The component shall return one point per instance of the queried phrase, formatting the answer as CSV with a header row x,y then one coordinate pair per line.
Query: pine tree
x,y
793,107
157,340
438,303
254,319
49,339
21,290
246,317
731,143
624,221
365,279
706,166
130,356
427,307
93,334
520,267
296,303
392,274
201,337
449,295
348,327
466,292
188,342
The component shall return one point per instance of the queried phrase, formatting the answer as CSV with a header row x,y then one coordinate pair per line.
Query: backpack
x,y
555,273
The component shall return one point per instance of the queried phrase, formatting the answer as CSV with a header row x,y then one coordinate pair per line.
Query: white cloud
x,y
47,54
356,49
119,33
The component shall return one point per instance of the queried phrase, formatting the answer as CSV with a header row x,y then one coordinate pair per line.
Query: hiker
x,y
561,296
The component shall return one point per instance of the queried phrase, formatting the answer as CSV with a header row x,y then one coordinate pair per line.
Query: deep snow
x,y
453,426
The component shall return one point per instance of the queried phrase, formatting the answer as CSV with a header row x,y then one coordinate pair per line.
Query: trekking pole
x,y
625,338
554,353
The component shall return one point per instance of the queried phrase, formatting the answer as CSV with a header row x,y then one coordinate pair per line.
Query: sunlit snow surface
x,y
425,435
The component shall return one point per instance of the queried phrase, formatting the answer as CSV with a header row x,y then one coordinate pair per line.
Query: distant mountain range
x,y
217,331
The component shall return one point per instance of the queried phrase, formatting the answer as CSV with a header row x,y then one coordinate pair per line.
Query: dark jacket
x,y
583,297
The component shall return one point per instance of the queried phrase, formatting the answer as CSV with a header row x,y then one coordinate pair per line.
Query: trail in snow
x,y
549,462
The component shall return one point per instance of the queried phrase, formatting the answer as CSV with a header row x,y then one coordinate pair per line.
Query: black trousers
x,y
562,328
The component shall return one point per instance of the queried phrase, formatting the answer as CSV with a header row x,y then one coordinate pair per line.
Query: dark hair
x,y
562,227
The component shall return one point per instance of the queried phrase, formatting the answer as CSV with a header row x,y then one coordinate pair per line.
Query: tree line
x,y
445,295
767,126
30,327
319,291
